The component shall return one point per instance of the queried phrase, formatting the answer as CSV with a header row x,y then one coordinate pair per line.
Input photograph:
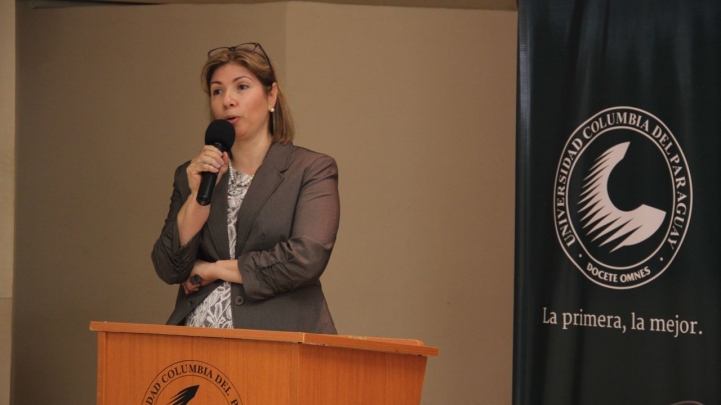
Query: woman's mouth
x,y
233,119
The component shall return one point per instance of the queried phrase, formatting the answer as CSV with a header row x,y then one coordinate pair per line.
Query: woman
x,y
255,267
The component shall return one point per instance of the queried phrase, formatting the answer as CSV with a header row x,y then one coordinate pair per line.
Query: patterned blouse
x,y
215,310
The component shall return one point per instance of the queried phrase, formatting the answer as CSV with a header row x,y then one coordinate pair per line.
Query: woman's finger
x,y
189,288
199,167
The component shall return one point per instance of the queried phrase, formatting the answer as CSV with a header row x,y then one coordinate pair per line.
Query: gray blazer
x,y
286,230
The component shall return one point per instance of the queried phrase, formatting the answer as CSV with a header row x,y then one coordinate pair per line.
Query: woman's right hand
x,y
192,216
210,159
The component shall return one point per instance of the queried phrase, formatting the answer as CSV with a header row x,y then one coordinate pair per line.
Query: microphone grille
x,y
222,132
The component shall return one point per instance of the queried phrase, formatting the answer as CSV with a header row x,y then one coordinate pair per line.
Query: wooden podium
x,y
176,365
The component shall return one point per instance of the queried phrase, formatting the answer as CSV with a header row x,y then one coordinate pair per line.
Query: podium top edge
x,y
400,346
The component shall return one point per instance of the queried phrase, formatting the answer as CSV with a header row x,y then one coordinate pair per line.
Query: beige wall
x,y
416,105
7,185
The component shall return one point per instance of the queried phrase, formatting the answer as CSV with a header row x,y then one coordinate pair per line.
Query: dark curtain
x,y
618,208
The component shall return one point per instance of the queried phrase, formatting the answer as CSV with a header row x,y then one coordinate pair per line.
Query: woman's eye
x,y
243,86
215,92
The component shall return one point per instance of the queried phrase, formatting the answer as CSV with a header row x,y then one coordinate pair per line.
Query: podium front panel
x,y
158,370
171,365
339,376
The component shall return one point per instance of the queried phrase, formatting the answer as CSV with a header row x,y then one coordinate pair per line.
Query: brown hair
x,y
280,125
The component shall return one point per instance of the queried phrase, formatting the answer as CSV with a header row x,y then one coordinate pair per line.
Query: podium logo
x,y
184,396
191,382
622,198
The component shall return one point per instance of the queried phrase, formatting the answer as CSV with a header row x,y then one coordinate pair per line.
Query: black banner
x,y
618,211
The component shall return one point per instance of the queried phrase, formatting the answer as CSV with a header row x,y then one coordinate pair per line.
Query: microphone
x,y
221,134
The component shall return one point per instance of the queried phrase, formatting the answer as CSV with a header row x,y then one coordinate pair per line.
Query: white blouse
x,y
215,310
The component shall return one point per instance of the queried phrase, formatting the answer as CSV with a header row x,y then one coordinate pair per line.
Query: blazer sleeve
x,y
303,257
173,263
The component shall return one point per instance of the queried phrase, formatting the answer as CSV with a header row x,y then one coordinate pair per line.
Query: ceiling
x,y
511,5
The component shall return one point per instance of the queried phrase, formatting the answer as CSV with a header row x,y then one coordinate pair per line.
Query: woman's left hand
x,y
205,271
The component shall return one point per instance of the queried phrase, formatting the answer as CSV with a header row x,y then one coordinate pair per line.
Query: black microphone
x,y
221,134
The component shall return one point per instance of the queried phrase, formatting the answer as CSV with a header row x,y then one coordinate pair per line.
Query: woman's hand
x,y
226,270
210,159
192,216
206,274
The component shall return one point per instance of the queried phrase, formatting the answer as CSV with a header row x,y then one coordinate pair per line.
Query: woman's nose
x,y
229,100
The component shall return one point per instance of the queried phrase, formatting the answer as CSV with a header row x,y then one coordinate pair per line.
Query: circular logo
x,y
622,197
191,382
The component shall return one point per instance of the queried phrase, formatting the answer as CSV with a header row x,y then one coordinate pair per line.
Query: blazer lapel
x,y
266,180
218,217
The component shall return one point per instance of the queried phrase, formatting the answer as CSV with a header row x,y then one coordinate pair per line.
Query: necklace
x,y
238,181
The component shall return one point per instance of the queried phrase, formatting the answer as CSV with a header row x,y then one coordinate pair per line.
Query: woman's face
x,y
237,96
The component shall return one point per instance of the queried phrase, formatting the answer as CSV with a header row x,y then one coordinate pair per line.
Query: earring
x,y
272,109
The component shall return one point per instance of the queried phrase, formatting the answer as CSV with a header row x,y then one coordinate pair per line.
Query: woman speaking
x,y
253,257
